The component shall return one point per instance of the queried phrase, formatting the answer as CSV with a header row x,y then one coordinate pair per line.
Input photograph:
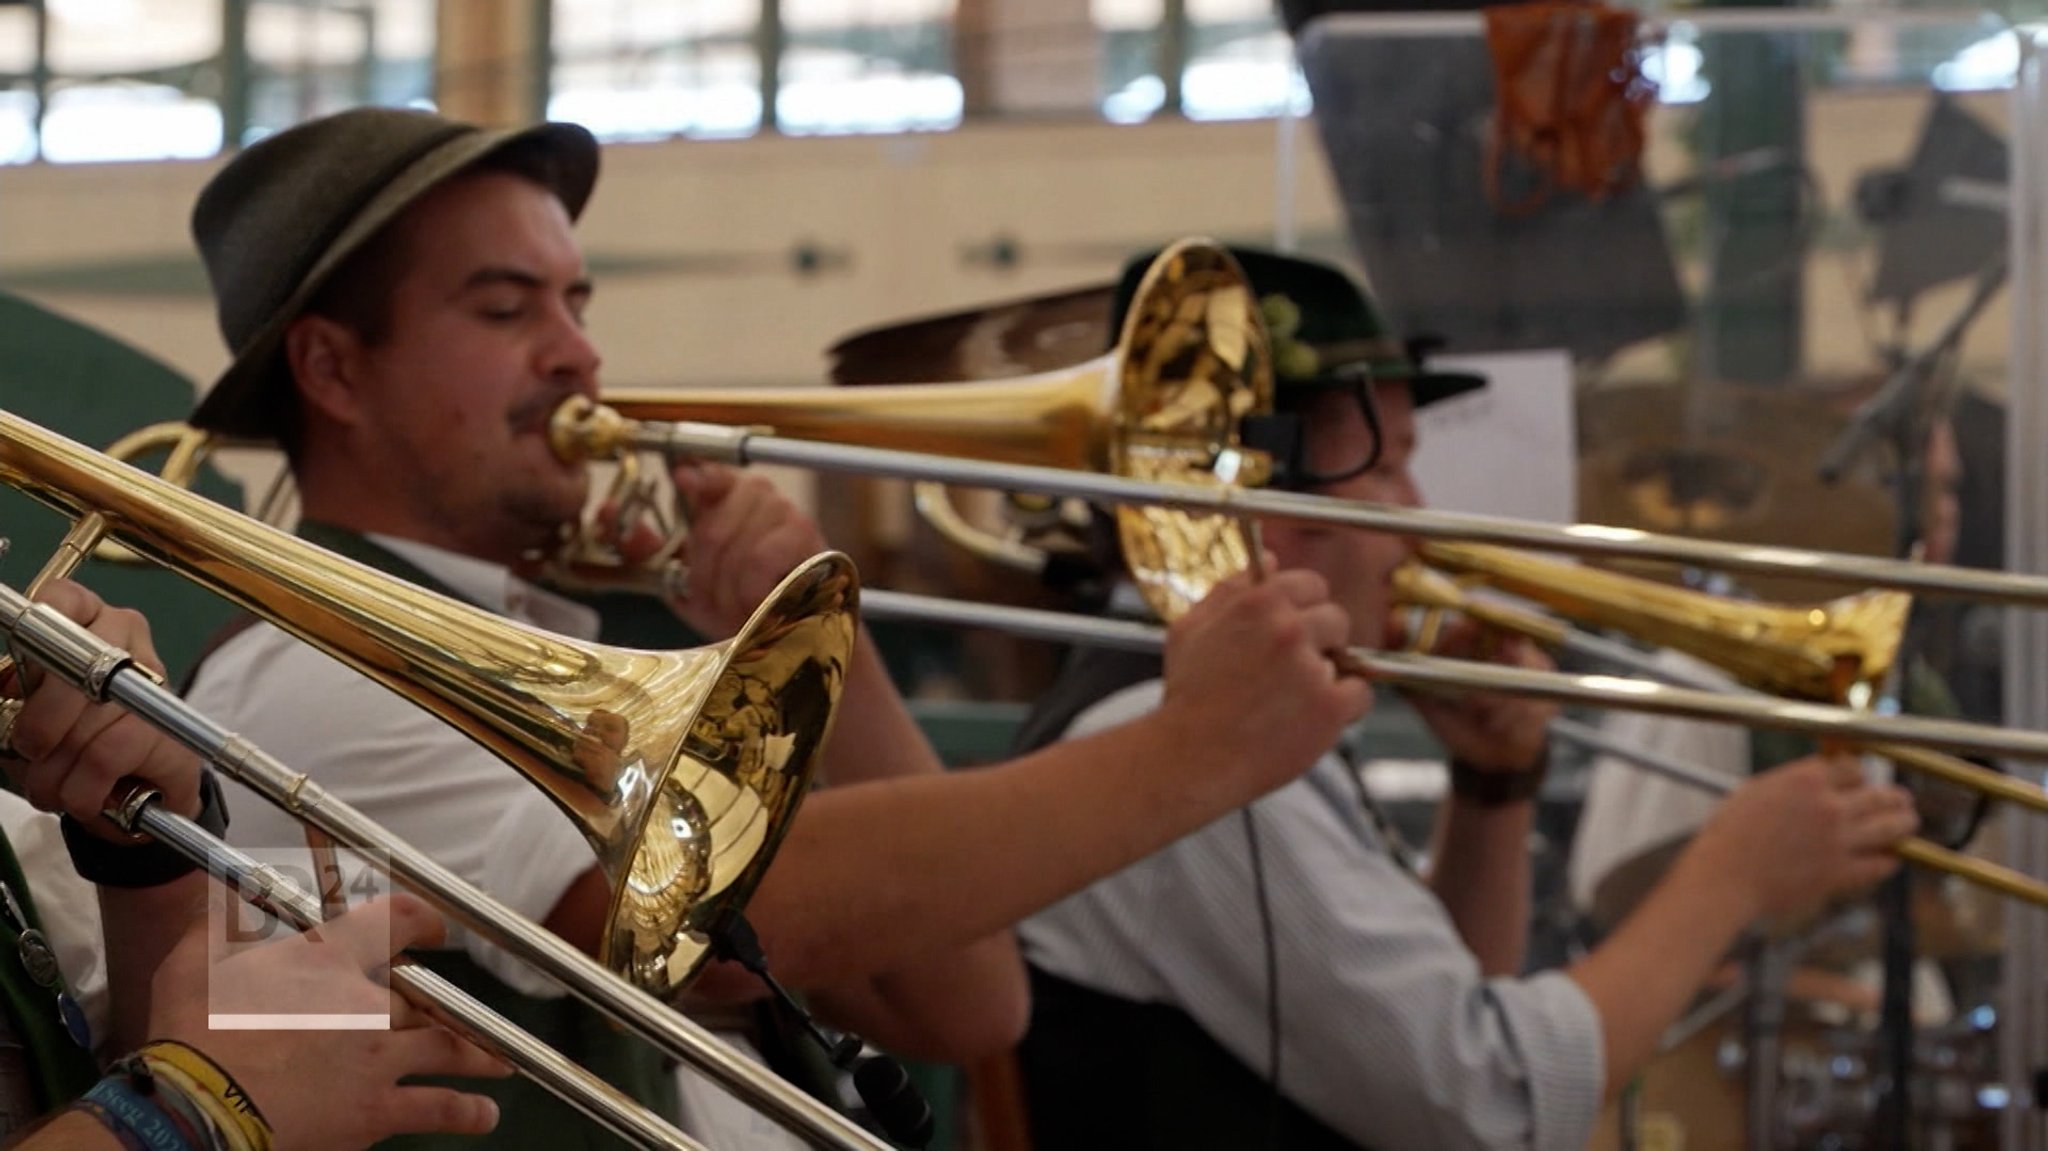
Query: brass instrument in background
x,y
1818,651
681,769
1834,652
1837,651
1806,651
1165,405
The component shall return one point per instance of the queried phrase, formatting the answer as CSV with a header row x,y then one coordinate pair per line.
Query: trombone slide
x,y
1924,852
1896,733
1408,669
426,989
105,673
581,430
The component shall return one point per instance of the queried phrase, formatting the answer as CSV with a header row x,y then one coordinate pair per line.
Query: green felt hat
x,y
1325,330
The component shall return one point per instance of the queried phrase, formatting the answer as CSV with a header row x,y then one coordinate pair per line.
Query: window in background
x,y
1240,62
1132,90
131,80
180,79
630,70
867,66
307,58
17,85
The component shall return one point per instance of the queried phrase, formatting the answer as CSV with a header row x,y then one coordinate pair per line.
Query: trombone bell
x,y
1817,652
682,769
1168,404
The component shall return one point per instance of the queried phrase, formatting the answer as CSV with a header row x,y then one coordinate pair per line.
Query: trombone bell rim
x,y
733,784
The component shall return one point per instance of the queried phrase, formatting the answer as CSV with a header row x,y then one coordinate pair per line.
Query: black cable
x,y
1263,903
884,1086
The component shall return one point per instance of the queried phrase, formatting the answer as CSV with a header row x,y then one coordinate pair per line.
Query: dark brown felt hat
x,y
274,224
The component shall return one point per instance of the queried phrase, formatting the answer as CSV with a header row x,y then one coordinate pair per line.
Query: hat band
x,y
1353,351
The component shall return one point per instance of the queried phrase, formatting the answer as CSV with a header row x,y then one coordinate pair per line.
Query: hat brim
x,y
1434,387
1427,387
247,402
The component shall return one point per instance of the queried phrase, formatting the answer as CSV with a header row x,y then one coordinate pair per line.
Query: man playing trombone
x,y
165,977
404,299
1289,977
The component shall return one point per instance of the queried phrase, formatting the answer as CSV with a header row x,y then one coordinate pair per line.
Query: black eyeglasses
x,y
1285,437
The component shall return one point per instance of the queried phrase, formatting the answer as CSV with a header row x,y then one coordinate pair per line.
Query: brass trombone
x,y
1433,673
586,431
583,430
683,769
1153,428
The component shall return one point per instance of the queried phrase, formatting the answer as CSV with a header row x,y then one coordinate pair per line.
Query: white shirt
x,y
1630,812
433,787
418,777
1390,1033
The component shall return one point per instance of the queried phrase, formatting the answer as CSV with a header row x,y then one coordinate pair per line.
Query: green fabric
x,y
528,1115
81,382
59,1069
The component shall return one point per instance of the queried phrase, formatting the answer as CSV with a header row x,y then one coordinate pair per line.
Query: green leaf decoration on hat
x,y
1292,359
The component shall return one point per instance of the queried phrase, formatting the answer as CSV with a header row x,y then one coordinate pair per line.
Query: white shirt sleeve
x,y
1390,1033
67,905
407,770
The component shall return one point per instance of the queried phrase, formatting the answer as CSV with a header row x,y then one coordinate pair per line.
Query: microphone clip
x,y
891,1098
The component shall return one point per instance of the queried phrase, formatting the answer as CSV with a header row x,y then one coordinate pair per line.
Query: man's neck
x,y
394,519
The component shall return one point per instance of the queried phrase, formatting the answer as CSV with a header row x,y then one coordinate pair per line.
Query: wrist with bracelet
x,y
170,1096
1490,789
146,864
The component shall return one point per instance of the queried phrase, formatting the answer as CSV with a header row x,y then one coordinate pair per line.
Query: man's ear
x,y
325,357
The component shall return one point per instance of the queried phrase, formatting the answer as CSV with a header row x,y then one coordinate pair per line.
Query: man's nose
x,y
571,357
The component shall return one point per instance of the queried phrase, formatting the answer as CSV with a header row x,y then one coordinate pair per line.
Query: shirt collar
x,y
494,586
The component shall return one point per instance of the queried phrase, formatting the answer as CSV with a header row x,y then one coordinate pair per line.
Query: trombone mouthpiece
x,y
582,429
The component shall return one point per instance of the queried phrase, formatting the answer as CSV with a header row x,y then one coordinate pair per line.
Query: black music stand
x,y
1403,120
1940,219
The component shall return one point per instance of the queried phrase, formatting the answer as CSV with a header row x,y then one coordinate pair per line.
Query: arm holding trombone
x,y
1782,845
73,754
317,1089
1481,859
964,856
966,997
1480,850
